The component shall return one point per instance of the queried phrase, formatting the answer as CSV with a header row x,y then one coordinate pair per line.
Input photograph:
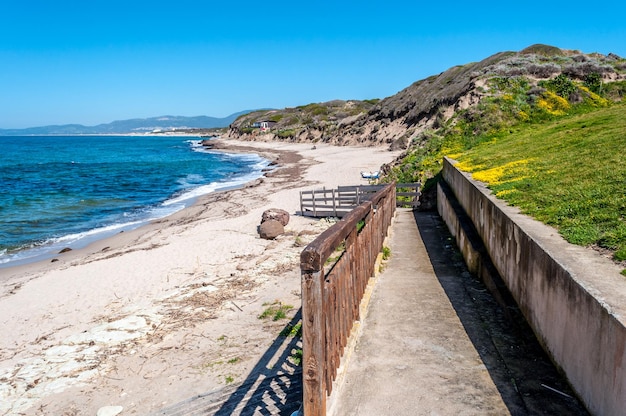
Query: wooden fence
x,y
336,268
339,202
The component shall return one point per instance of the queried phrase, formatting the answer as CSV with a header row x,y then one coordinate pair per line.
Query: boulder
x,y
276,214
271,229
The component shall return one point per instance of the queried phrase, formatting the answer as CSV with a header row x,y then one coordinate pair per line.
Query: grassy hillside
x,y
554,148
569,173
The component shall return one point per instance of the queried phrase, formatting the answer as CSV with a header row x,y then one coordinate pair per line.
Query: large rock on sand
x,y
276,214
271,229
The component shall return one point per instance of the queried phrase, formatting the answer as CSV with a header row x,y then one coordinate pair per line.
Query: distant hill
x,y
136,125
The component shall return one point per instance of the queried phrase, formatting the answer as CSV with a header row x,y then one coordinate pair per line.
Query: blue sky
x,y
93,61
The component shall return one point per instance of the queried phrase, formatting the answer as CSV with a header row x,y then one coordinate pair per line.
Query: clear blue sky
x,y
94,61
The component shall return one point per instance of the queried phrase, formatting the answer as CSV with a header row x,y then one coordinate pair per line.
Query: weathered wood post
x,y
314,342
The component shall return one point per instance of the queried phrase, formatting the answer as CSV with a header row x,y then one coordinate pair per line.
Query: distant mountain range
x,y
136,125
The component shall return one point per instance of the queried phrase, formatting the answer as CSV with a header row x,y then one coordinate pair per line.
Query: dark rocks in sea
x,y
212,144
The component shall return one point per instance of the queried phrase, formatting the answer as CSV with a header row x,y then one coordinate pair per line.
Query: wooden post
x,y
313,344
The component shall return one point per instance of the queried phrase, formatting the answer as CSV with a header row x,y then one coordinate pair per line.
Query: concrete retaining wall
x,y
573,298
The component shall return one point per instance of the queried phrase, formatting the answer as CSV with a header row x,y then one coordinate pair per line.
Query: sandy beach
x,y
154,316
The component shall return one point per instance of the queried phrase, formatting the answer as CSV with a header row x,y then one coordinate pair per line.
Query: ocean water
x,y
58,192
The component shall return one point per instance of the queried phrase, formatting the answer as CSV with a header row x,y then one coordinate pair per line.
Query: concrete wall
x,y
572,297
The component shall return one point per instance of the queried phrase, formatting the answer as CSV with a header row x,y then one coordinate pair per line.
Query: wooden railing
x,y
336,268
339,202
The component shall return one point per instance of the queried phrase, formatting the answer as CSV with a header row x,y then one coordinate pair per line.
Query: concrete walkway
x,y
434,342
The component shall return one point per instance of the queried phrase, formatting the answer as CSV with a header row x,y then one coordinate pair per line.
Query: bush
x,y
561,85
283,134
372,101
580,70
543,70
553,104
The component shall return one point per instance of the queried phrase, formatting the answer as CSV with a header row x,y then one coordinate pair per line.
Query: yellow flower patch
x,y
595,98
553,104
510,172
522,115
505,192
466,166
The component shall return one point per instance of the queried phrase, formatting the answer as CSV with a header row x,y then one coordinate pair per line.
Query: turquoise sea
x,y
58,192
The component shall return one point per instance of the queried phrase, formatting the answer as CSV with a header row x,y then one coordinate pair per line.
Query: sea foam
x,y
125,167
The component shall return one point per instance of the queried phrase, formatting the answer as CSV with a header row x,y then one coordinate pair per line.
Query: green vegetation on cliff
x,y
509,105
324,118
555,150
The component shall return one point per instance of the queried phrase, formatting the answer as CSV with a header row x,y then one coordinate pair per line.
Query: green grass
x,y
336,255
283,134
569,173
292,331
275,310
296,356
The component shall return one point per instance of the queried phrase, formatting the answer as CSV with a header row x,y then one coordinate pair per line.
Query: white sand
x,y
157,315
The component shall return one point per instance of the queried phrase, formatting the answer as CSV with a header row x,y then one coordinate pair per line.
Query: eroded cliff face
x,y
427,104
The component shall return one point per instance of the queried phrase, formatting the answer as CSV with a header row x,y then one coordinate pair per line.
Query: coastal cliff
x,y
402,120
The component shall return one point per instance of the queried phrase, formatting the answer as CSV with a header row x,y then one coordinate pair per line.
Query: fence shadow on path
x,y
526,379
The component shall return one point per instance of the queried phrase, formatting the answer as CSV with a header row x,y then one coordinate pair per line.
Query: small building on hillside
x,y
264,125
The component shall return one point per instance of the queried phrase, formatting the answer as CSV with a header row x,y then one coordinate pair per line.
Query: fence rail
x,y
339,202
332,290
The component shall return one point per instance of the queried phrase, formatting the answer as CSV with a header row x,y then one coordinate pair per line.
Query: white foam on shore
x,y
52,247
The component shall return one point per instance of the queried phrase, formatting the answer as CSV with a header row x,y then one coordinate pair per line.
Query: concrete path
x,y
434,342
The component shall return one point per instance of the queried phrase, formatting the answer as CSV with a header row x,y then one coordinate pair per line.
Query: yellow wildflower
x,y
553,104
514,171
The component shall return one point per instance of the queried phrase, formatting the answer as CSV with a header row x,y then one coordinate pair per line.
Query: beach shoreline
x,y
246,167
150,317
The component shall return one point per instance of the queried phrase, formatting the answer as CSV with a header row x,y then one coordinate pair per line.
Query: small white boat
x,y
370,175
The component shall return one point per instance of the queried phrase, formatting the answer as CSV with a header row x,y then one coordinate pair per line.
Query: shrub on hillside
x,y
579,70
543,70
561,85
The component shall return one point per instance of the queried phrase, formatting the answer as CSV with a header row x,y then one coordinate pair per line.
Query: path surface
x,y
434,342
